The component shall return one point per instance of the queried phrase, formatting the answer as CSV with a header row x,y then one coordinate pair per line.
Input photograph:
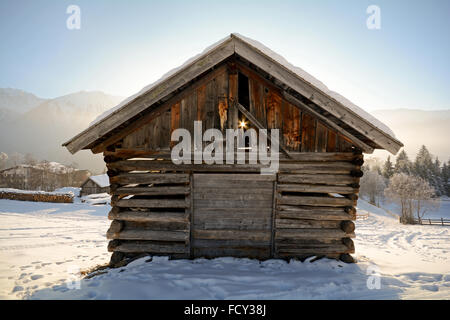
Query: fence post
x,y
429,221
442,221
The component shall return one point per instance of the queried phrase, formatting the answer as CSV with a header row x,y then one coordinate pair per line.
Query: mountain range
x,y
29,124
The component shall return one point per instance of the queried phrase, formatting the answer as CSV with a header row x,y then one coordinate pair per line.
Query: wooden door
x,y
232,215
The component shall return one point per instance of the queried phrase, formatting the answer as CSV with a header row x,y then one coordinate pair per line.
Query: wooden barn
x,y
95,184
210,210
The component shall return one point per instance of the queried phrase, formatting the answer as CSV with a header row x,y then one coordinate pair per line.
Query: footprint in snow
x,y
36,276
17,289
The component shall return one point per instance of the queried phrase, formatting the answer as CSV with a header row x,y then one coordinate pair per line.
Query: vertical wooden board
x,y
345,145
232,95
273,105
308,133
332,141
291,127
201,101
222,100
189,112
164,140
256,102
155,133
174,120
209,120
321,137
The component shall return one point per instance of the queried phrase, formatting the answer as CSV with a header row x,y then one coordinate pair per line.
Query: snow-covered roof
x,y
377,131
101,180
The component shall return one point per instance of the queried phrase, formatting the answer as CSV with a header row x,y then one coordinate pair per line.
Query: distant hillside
x,y
417,127
18,101
42,129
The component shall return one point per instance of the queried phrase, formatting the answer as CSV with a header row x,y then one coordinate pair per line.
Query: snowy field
x,y
43,245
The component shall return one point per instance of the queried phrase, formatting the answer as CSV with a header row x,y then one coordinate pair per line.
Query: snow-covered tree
x,y
3,159
424,199
445,176
388,168
29,159
402,163
372,186
414,195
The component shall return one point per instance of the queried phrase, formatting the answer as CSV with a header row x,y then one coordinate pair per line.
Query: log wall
x,y
188,211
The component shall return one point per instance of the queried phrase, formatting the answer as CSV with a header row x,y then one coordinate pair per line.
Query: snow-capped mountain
x,y
42,129
18,101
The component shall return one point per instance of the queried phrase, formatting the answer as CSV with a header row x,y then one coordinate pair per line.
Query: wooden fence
x,y
441,221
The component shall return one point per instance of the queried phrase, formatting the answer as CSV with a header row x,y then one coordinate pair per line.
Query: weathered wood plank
x,y
318,179
315,188
151,203
283,223
233,204
256,235
149,235
143,178
308,132
151,190
315,201
148,247
148,216
292,234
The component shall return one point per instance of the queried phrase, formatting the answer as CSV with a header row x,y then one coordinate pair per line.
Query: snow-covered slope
x,y
41,261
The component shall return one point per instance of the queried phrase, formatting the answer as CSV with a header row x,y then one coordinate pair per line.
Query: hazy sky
x,y
124,45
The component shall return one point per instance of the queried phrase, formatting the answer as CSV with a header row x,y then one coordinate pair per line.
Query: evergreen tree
x,y
445,176
426,169
402,163
388,168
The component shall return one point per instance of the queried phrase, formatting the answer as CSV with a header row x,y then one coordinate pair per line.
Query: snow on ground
x,y
40,243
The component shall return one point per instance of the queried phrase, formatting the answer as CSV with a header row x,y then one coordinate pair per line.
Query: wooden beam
x,y
255,122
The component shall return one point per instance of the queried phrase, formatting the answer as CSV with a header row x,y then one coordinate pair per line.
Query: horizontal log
x,y
349,244
150,191
149,235
330,179
347,226
282,223
121,154
152,203
313,213
314,188
313,251
317,167
315,201
255,235
147,247
311,234
148,216
148,178
116,226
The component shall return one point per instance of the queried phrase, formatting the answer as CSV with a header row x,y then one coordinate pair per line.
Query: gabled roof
x,y
297,80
